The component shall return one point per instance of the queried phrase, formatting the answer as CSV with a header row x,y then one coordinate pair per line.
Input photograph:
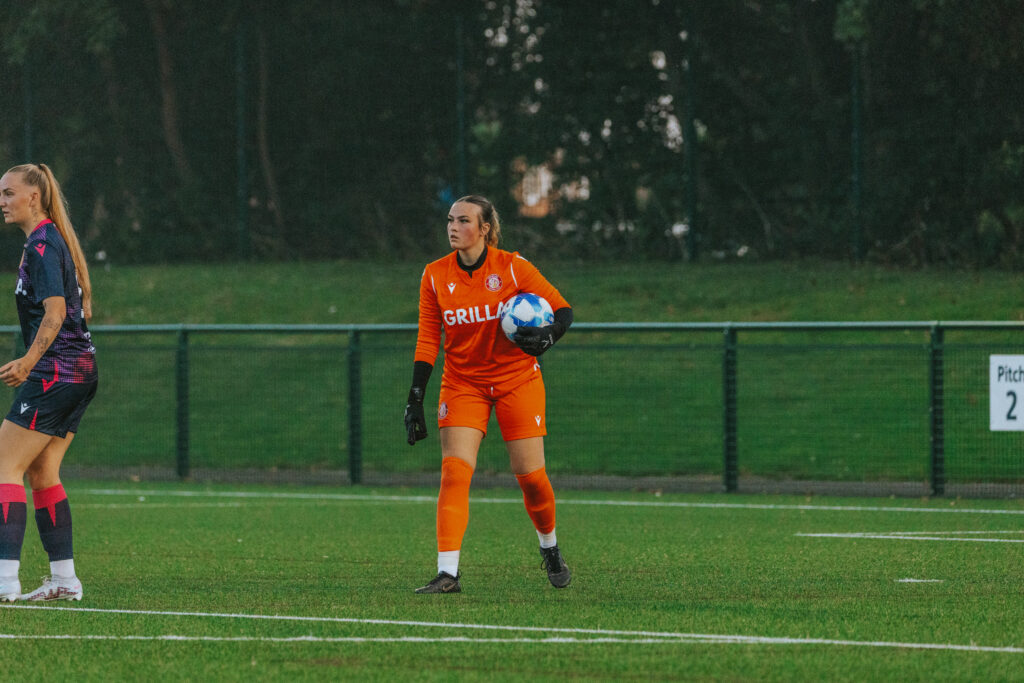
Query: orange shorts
x,y
520,408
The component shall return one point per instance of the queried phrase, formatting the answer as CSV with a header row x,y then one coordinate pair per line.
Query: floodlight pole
x,y
857,152
690,136
460,106
241,131
26,70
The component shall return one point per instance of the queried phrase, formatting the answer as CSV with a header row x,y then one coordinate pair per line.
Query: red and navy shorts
x,y
53,408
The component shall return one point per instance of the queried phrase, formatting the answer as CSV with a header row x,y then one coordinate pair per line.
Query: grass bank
x,y
382,292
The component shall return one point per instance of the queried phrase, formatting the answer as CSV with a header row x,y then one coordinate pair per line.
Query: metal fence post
x,y
181,385
935,385
355,411
731,468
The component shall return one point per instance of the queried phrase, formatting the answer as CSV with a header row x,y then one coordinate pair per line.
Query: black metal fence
x,y
863,408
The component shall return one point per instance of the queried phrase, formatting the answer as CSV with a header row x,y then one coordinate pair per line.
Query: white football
x,y
525,310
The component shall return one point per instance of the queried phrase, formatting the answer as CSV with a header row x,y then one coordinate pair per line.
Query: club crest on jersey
x,y
493,282
442,411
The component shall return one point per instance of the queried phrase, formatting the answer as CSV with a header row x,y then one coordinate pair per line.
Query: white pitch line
x,y
631,636
560,640
348,639
918,533
354,620
519,501
906,537
919,580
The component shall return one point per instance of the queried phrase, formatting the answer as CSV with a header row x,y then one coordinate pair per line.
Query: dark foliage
x,y
331,128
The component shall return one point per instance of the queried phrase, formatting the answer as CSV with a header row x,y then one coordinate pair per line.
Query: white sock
x,y
547,540
448,562
9,568
65,569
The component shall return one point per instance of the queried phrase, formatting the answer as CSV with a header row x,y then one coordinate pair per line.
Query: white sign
x,y
1006,393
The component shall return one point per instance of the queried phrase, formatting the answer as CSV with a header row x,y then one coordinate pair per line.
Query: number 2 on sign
x,y
1012,395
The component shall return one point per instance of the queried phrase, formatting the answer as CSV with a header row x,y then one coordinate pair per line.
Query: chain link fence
x,y
900,408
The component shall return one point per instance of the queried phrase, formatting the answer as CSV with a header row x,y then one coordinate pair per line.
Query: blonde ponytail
x,y
55,206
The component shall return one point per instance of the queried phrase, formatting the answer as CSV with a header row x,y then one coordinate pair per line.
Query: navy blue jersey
x,y
47,270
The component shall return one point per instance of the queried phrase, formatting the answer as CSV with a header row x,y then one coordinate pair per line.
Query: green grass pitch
x,y
246,583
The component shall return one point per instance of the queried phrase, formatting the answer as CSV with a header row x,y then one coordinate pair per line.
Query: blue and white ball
x,y
526,310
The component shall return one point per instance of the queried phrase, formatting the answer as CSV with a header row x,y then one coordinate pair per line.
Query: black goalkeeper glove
x,y
536,340
415,421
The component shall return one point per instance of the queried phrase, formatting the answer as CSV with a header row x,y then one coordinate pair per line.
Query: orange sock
x,y
539,498
453,503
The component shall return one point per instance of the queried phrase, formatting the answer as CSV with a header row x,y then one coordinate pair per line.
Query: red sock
x,y
539,498
48,498
11,493
53,517
13,514
453,503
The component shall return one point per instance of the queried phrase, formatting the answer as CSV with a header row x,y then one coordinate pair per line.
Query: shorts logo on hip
x,y
24,407
537,418
442,411
493,282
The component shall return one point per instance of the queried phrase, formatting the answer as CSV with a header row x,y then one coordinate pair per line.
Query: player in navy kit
x,y
56,380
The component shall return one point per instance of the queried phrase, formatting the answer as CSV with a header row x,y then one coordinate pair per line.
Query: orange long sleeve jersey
x,y
468,307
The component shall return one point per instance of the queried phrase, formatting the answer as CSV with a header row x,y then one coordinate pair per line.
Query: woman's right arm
x,y
428,343
428,334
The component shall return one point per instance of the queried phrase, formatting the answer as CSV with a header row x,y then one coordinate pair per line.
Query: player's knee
x,y
41,476
456,471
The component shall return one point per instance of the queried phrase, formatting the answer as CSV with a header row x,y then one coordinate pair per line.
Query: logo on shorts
x,y
493,282
24,407
537,418
442,411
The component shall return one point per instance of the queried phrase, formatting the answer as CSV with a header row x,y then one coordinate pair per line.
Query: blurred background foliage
x,y
623,129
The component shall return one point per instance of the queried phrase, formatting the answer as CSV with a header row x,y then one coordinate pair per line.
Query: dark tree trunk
x,y
168,92
266,165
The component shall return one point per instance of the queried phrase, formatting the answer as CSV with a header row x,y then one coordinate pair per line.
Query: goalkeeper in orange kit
x,y
461,296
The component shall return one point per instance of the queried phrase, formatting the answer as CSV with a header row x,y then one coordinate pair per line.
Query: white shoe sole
x,y
54,599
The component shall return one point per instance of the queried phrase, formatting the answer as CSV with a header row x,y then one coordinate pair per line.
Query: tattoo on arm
x,y
42,343
44,337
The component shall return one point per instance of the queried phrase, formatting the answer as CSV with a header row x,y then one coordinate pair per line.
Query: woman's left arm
x,y
537,340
